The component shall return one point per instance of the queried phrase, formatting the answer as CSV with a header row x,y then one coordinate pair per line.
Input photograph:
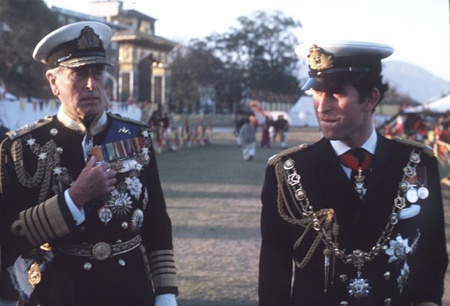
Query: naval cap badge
x,y
88,39
318,60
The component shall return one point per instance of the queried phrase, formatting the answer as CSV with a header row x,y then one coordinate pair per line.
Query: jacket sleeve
x,y
157,233
275,266
24,222
431,258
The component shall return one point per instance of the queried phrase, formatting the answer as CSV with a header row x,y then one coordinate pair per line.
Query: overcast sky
x,y
417,29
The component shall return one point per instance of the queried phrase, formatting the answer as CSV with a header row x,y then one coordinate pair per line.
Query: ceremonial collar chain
x,y
321,224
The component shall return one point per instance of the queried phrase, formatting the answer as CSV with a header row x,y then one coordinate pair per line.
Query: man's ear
x,y
51,78
371,100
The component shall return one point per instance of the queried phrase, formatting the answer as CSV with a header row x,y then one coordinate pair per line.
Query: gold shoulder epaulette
x,y
426,149
14,134
127,119
276,158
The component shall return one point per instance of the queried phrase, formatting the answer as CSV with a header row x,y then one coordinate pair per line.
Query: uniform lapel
x,y
382,189
335,189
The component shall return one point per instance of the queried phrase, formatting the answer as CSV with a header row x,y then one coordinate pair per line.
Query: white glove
x,y
167,299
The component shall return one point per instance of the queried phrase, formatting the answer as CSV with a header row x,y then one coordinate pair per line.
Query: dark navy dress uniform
x,y
361,223
122,253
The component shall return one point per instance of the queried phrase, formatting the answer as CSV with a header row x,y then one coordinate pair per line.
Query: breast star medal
x,y
359,287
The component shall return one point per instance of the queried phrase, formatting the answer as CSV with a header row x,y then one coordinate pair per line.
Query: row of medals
x,y
413,194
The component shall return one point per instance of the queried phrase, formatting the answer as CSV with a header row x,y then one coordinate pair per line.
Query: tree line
x,y
253,60
22,24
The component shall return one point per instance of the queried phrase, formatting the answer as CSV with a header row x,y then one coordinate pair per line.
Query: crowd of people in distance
x,y
167,136
246,127
434,133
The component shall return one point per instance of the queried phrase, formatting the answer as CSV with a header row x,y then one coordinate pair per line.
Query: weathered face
x,y
80,90
342,117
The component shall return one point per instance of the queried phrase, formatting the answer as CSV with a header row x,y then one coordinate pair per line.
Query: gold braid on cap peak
x,y
277,158
423,147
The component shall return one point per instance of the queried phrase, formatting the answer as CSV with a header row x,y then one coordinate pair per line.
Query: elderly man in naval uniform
x,y
83,216
355,218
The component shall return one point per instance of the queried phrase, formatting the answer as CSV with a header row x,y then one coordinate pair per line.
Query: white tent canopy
x,y
438,106
302,113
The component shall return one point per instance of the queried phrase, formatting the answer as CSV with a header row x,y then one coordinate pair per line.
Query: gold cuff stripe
x,y
44,222
26,229
155,260
43,237
157,265
33,231
164,270
165,280
161,252
55,217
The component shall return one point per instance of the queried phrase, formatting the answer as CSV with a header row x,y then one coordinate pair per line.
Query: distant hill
x,y
409,79
418,83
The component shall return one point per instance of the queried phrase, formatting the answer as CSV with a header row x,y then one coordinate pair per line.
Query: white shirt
x,y
340,148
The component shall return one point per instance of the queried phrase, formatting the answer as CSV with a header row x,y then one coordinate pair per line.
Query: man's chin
x,y
89,113
330,134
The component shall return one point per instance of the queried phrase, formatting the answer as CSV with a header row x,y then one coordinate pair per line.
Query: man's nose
x,y
91,82
322,101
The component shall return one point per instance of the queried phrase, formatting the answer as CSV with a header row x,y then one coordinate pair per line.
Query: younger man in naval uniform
x,y
83,217
360,216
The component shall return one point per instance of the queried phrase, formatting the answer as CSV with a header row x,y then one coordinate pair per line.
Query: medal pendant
x,y
360,189
423,193
359,182
34,274
105,214
359,288
412,196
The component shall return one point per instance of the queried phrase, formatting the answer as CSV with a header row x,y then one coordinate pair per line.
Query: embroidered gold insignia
x,y
124,130
34,274
318,60
88,39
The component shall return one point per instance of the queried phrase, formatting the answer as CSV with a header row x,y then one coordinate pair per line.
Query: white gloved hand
x,y
167,299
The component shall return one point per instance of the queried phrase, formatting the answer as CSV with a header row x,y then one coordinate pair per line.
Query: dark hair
x,y
365,84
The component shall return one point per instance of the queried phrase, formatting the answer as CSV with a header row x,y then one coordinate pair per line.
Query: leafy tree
x,y
25,22
261,53
192,67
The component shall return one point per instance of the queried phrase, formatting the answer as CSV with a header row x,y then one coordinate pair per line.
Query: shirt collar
x,y
370,144
98,124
